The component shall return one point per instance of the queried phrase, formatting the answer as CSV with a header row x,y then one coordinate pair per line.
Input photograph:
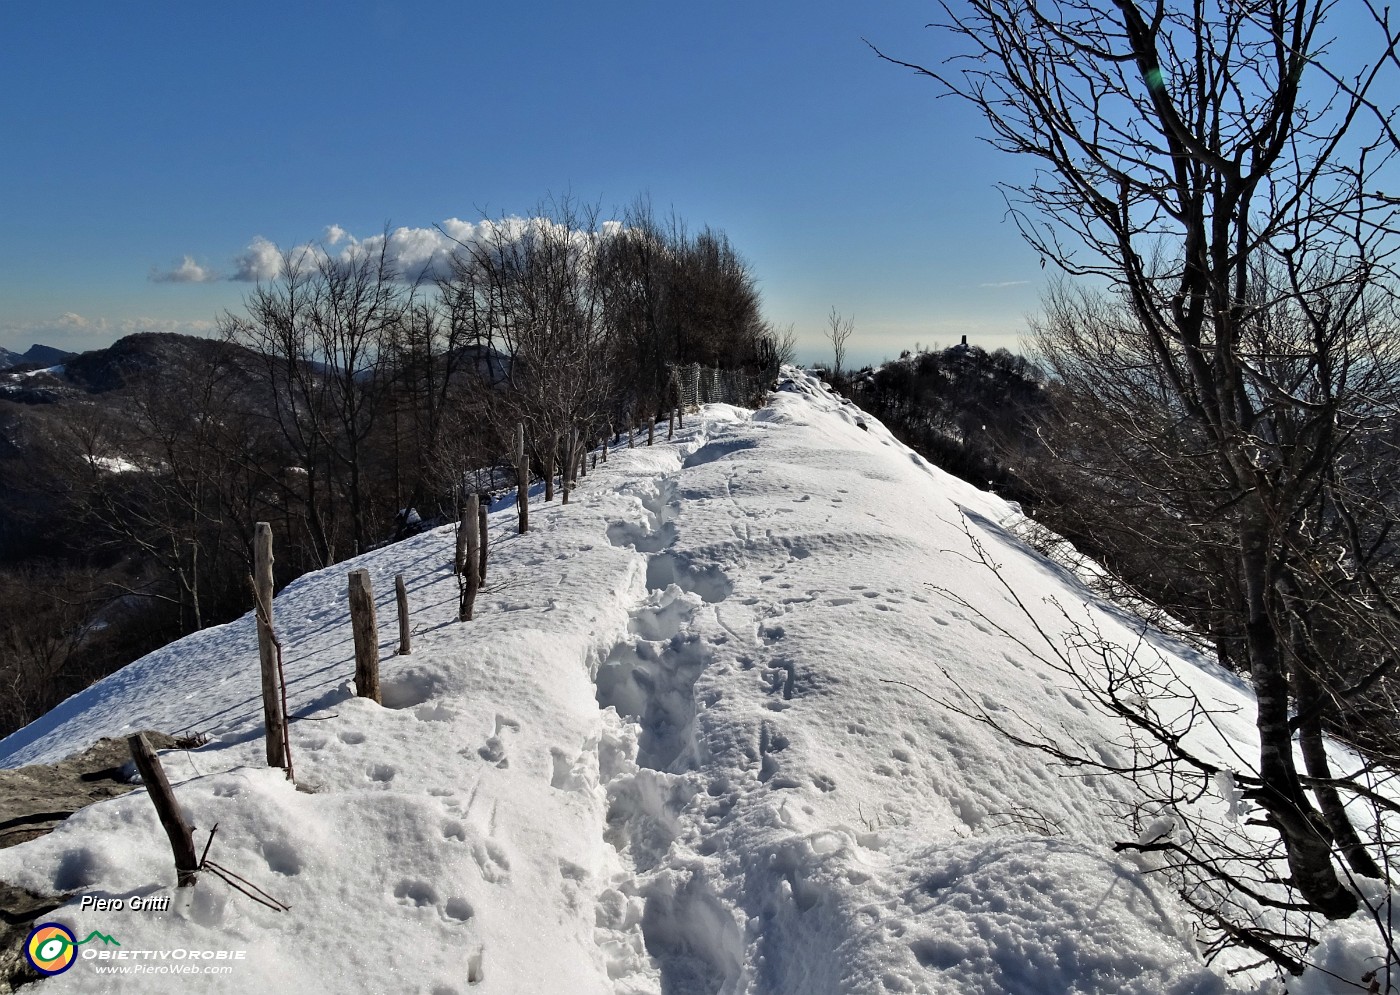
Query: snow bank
x,y
669,756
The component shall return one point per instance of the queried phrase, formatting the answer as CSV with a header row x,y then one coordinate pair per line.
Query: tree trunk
x,y
1306,840
1307,690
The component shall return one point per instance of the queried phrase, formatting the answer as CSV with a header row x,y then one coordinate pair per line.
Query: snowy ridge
x,y
665,758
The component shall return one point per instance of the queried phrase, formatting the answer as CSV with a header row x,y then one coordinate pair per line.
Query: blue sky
x,y
137,134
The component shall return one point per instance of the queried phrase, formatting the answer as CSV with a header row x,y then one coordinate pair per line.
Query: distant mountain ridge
x,y
35,355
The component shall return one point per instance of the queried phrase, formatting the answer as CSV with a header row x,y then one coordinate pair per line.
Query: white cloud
x,y
1004,283
188,271
415,254
260,261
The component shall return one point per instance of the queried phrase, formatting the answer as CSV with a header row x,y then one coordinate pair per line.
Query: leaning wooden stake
x,y
522,478
481,529
274,721
366,636
176,827
401,596
471,581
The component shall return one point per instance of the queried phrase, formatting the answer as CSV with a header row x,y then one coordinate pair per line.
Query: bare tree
x,y
1204,161
319,333
838,330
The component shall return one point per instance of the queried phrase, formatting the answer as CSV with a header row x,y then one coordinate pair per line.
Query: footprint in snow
x,y
415,893
570,871
495,749
491,860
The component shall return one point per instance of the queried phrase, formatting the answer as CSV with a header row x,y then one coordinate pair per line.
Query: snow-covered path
x,y
667,757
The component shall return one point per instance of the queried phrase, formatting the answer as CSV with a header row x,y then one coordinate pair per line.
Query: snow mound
x,y
679,751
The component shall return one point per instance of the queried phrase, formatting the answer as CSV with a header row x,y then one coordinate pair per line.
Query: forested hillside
x,y
346,404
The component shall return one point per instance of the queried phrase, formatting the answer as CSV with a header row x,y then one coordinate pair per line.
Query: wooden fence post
x,y
481,528
566,465
401,596
177,828
550,452
366,636
671,425
470,563
274,722
605,443
522,479
462,527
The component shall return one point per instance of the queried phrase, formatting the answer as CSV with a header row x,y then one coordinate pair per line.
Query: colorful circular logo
x,y
51,948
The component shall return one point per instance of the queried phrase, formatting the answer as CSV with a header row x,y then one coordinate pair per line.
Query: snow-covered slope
x,y
677,752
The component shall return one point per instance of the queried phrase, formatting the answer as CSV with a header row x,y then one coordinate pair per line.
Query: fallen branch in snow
x,y
236,881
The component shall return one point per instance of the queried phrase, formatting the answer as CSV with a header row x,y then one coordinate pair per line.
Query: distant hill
x,y
69,375
36,355
126,360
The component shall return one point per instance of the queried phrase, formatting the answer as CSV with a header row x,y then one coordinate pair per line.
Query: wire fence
x,y
696,385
